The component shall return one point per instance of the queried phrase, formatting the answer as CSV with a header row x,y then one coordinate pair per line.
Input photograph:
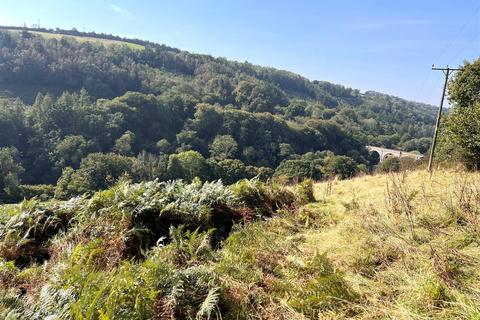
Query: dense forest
x,y
80,114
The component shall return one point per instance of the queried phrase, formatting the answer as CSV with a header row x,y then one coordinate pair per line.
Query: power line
x,y
468,44
426,84
449,45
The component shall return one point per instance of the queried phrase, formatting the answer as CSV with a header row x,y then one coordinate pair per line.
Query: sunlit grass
x,y
106,42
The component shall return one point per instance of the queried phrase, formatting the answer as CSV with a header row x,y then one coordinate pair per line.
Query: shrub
x,y
340,166
194,295
251,253
233,170
188,165
121,294
304,192
97,171
190,247
24,236
263,198
10,173
391,164
297,170
143,213
43,192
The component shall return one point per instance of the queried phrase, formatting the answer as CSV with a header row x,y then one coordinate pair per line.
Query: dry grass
x,y
407,243
106,42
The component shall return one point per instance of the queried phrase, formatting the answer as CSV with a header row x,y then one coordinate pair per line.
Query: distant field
x,y
106,42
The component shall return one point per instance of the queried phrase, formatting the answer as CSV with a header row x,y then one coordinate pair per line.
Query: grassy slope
x,y
428,271
107,42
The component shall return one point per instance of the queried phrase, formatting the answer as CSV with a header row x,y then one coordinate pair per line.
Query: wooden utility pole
x,y
447,72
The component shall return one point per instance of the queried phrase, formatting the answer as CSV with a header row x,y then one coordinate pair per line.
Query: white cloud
x,y
120,11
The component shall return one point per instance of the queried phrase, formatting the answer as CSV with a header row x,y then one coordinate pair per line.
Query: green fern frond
x,y
209,305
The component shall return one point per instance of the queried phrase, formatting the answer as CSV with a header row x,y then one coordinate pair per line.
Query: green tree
x,y
188,165
207,121
163,146
286,150
97,171
10,174
232,170
259,96
124,144
464,90
297,170
460,136
70,151
223,147
70,184
343,167
463,132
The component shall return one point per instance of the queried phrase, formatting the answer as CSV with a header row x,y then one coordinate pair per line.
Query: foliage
x,y
339,166
24,235
390,164
324,290
297,170
459,136
82,98
10,171
188,165
307,260
223,147
97,171
463,90
123,145
263,198
464,131
304,192
43,192
233,170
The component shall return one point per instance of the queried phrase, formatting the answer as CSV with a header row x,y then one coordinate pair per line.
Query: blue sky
x,y
387,46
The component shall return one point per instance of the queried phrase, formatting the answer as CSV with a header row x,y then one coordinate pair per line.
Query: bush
x,y
394,164
297,170
97,171
391,164
232,170
263,198
8,271
24,235
151,208
304,192
43,192
340,166
10,172
188,165
463,132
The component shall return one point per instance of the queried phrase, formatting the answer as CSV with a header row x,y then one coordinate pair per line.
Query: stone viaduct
x,y
384,153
